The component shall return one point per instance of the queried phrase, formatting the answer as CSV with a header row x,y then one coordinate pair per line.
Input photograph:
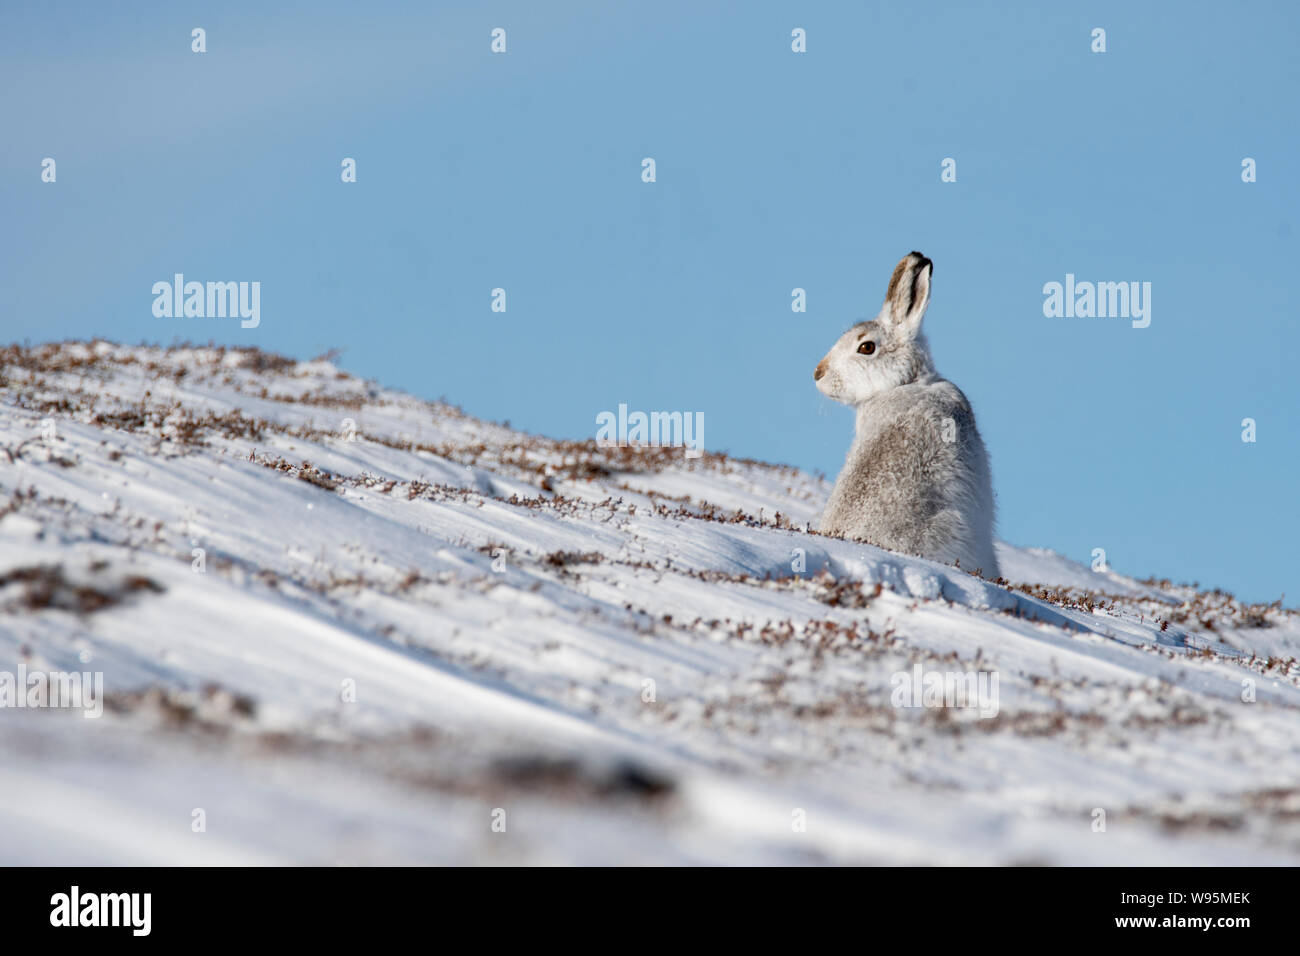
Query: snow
x,y
499,602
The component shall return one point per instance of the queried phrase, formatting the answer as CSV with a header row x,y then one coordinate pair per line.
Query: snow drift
x,y
339,624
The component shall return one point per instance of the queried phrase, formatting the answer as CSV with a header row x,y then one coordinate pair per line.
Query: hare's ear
x,y
908,295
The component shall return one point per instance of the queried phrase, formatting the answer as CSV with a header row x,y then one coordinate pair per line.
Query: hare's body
x,y
904,488
916,478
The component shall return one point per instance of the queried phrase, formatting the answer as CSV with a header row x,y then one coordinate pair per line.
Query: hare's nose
x,y
821,370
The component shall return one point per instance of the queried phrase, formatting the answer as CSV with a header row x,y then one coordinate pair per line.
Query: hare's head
x,y
886,351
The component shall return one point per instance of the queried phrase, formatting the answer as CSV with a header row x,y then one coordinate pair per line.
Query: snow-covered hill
x,y
350,626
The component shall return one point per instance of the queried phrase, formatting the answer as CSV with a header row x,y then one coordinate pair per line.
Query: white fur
x,y
916,478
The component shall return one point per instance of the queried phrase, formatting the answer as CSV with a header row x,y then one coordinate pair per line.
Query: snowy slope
x,y
237,541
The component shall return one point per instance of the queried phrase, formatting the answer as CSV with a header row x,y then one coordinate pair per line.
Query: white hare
x,y
917,477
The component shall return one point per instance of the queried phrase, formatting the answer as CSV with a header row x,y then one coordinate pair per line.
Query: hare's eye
x,y
866,348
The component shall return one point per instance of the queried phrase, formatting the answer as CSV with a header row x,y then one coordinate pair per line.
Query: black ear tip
x,y
922,260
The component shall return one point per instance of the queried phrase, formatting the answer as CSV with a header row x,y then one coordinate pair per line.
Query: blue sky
x,y
775,170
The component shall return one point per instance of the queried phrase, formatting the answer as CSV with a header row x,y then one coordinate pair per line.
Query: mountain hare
x,y
917,478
